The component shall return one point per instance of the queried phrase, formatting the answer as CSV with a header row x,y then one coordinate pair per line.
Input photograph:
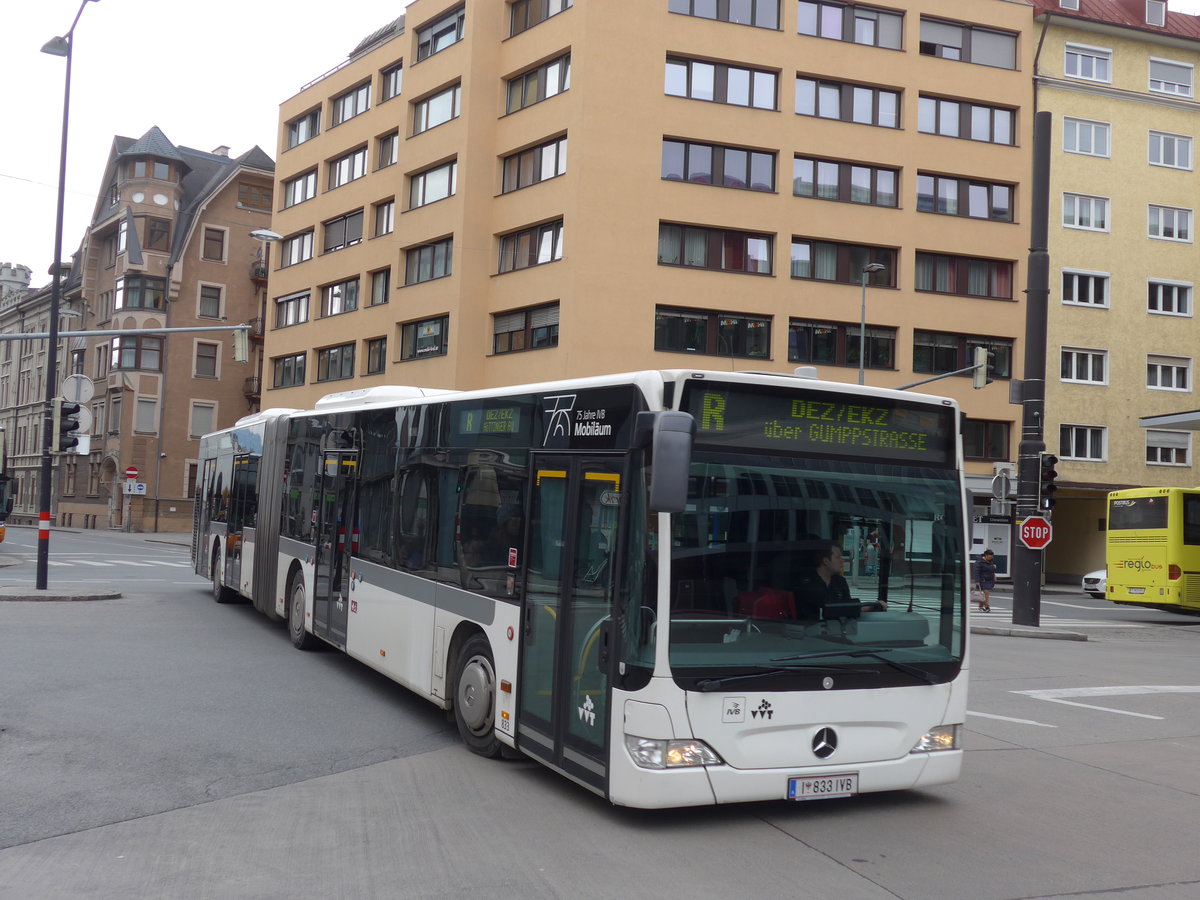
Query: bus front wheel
x,y
297,606
475,697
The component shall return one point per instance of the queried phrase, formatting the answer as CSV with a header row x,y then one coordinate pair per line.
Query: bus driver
x,y
823,591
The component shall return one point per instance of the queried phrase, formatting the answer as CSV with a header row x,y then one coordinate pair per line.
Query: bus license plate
x,y
1140,590
823,787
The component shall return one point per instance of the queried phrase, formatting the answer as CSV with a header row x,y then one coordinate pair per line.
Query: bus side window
x,y
1191,518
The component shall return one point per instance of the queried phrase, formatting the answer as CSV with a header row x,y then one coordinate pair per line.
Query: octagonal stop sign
x,y
1036,533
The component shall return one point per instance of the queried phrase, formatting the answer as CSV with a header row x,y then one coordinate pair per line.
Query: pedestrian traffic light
x,y
65,423
1047,481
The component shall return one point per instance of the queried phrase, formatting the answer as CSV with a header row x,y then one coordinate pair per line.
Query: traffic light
x,y
979,378
241,345
1048,475
65,424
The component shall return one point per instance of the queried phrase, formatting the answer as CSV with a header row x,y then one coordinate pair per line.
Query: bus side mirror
x,y
671,458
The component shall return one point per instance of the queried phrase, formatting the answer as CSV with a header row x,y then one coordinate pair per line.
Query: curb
x,y
1027,631
32,594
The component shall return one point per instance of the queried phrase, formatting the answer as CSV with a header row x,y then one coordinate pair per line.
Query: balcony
x,y
258,273
256,329
252,387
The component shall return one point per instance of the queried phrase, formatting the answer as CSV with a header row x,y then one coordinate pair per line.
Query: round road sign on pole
x,y
78,389
131,472
1036,533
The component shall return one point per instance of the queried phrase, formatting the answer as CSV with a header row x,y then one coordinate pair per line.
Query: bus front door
x,y
570,580
335,542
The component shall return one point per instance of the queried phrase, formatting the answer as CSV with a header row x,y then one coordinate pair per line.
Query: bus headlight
x,y
944,737
652,754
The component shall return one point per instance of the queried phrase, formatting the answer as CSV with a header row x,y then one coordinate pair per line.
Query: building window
x,y
1170,224
1168,448
122,235
385,217
524,14
206,361
339,298
146,416
531,246
1088,213
426,338
1169,298
344,231
1082,442
964,197
305,128
432,185
137,352
986,440
376,355
732,167
288,370
1085,289
851,22
335,363
203,419
759,13
1084,137
1168,373
102,355
837,344
711,333
441,33
352,103
291,310
78,362
381,283
348,168
139,292
301,188
214,244
717,249
541,83
427,262
526,329
828,179
1156,12
1084,366
1170,78
114,422
388,150
254,196
210,302
1088,63
938,353
539,163
1171,150
391,82
296,249
968,121
437,109
158,234
968,43
843,263
720,83
964,276
846,102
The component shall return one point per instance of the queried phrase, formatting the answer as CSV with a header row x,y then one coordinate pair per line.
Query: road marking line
x,y
1059,695
88,562
161,562
971,712
1071,605
130,562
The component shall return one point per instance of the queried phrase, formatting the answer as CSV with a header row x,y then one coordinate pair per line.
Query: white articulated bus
x,y
615,575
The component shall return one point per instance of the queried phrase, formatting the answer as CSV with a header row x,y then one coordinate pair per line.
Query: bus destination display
x,y
820,422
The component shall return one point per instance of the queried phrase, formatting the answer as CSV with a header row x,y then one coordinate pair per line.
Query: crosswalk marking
x,y
148,564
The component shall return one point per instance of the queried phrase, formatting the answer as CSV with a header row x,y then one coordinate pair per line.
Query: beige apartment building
x,y
489,192
168,246
1119,78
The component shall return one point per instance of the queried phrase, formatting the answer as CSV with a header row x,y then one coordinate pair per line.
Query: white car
x,y
1096,583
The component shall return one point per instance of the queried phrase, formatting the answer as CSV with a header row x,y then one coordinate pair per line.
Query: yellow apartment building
x,y
1119,78
490,192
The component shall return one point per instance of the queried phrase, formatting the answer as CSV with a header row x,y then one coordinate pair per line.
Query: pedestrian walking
x,y
984,576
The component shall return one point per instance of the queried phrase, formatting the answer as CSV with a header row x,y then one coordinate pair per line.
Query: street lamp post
x,y
59,46
862,320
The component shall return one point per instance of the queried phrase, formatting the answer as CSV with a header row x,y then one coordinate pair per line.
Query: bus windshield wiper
x,y
874,654
709,684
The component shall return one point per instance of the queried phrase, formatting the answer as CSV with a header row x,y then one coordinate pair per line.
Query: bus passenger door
x,y
335,541
569,584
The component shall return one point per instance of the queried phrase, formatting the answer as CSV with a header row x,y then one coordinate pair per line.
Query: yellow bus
x,y
1153,548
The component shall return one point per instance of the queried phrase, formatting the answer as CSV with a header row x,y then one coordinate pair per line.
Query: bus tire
x,y
475,697
296,608
220,593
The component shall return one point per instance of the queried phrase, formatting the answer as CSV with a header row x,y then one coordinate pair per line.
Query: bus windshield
x,y
856,565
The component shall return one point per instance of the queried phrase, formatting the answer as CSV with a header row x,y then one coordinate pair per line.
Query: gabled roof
x,y
1123,14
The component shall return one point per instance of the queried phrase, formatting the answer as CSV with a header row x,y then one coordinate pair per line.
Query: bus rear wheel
x,y
475,697
297,606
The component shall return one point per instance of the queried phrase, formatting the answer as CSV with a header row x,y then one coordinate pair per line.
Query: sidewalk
x,y
995,623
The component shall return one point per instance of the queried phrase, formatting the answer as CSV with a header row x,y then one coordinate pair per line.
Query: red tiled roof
x,y
1124,13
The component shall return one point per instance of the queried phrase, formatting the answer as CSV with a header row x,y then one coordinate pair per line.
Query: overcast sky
x,y
206,73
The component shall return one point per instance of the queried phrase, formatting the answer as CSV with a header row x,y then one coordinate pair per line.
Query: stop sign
x,y
1036,533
